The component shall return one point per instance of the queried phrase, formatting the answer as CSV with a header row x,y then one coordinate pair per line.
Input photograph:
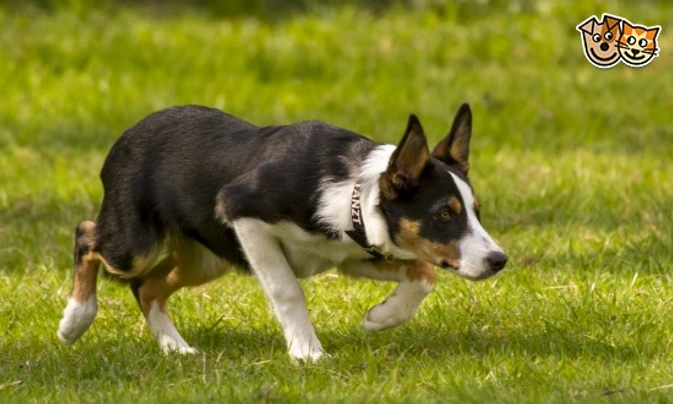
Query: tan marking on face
x,y
409,227
455,204
410,239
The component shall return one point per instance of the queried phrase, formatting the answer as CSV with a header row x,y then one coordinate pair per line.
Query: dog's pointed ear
x,y
587,25
455,147
610,21
407,162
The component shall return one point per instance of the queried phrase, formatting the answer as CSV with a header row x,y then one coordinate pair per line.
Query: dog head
x,y
430,206
600,40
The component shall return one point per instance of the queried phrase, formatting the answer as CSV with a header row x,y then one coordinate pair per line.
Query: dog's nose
x,y
496,260
604,46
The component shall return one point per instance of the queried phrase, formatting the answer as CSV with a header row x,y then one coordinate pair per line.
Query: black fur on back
x,y
163,177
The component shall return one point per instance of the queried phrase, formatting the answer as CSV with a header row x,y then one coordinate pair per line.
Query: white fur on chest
x,y
309,254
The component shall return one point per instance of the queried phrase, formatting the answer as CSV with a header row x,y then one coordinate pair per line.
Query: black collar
x,y
358,234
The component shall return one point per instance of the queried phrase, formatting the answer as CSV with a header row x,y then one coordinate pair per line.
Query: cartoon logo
x,y
638,44
613,39
600,40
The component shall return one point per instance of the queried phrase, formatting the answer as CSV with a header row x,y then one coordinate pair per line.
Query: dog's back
x,y
164,174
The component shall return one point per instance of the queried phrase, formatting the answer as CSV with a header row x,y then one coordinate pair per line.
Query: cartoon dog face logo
x,y
638,44
600,40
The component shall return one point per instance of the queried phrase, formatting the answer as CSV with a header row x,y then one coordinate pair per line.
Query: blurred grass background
x,y
572,164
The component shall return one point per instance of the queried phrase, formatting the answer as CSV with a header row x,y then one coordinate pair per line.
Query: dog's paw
x,y
77,318
306,351
182,350
398,308
170,345
384,316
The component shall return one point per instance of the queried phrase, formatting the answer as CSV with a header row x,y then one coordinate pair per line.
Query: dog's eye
x,y
631,40
642,43
608,36
596,37
445,214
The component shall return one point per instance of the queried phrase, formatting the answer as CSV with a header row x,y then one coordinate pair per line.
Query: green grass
x,y
572,165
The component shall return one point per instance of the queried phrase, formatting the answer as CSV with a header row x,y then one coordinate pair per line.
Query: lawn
x,y
572,164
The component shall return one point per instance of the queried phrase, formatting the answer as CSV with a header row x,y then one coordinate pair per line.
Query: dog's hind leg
x,y
82,307
416,279
188,264
94,246
152,291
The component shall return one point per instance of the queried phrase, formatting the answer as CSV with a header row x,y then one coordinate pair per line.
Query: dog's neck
x,y
359,232
334,206
371,217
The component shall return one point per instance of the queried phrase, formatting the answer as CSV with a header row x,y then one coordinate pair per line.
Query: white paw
x,y
398,308
306,351
170,345
383,316
77,318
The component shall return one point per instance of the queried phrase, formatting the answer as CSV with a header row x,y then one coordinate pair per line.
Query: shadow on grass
x,y
423,341
237,350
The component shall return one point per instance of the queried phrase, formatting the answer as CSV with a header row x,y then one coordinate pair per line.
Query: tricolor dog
x,y
192,192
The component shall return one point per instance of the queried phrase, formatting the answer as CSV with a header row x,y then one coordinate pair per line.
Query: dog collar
x,y
358,234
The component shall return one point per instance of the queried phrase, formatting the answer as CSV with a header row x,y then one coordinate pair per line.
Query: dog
x,y
599,39
191,192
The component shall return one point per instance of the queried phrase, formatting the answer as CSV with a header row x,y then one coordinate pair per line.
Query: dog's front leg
x,y
280,286
416,279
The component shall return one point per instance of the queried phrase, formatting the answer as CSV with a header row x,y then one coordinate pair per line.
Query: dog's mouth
x,y
444,264
606,59
466,272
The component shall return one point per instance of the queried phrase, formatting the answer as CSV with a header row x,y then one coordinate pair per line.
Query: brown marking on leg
x,y
397,270
152,295
84,279
188,264
421,270
417,280
153,285
86,262
81,309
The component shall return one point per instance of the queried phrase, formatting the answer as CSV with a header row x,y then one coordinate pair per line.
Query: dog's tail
x,y
82,306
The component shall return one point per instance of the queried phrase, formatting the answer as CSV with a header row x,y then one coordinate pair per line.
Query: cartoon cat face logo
x,y
600,40
638,44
